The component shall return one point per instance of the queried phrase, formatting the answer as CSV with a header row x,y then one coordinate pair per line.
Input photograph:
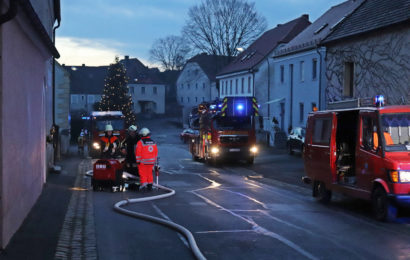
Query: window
x,y
154,90
143,90
301,112
226,87
249,84
230,87
348,79
223,87
242,86
182,99
282,74
187,99
74,99
314,69
90,99
182,85
188,85
302,71
370,137
131,90
313,106
203,99
236,86
196,85
203,85
196,99
82,98
322,131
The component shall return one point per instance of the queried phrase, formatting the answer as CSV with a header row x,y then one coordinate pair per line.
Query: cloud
x,y
92,52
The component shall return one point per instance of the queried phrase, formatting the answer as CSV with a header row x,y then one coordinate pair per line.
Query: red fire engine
x,y
361,151
226,130
97,122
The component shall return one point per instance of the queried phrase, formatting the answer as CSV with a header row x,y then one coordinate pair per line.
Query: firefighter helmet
x,y
109,128
132,128
144,132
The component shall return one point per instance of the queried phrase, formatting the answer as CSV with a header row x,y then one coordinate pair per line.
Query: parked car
x,y
186,135
296,140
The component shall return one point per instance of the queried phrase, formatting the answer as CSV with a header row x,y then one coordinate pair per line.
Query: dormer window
x,y
338,22
321,28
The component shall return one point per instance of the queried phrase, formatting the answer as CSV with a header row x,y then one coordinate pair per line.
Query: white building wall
x,y
141,93
231,85
193,88
305,88
83,102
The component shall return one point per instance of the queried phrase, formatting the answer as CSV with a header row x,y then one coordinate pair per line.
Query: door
x,y
320,149
368,152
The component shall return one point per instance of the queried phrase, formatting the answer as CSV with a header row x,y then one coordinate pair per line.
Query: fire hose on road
x,y
185,232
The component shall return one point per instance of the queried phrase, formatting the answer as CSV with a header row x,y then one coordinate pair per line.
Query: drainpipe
x,y
54,72
56,143
10,14
320,77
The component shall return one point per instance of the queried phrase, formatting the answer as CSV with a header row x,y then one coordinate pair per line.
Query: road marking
x,y
260,230
224,231
167,218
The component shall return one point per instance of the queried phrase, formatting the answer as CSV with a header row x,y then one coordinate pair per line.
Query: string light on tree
x,y
116,93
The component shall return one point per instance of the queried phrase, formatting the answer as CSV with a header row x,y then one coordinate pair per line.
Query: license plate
x,y
235,150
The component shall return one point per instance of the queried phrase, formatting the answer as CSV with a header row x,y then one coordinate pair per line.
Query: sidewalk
x,y
39,234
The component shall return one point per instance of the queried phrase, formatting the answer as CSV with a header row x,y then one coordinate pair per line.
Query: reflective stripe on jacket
x,y
146,151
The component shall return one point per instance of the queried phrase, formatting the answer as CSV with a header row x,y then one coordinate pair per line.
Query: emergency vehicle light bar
x,y
358,102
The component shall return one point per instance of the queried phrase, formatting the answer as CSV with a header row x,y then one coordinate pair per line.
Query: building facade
x,y
299,80
148,98
197,82
368,57
26,50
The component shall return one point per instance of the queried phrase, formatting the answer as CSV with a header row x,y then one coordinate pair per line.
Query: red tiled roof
x,y
265,44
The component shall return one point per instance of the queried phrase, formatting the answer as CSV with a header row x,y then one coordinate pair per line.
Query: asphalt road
x,y
242,212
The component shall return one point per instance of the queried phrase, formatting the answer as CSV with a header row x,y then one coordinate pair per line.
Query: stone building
x,y
368,53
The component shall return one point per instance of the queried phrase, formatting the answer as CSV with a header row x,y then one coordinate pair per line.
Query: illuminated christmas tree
x,y
115,95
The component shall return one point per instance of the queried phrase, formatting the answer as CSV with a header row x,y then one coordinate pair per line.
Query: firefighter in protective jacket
x,y
146,155
109,143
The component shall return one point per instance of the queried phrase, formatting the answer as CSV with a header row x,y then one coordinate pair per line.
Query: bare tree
x,y
171,51
220,26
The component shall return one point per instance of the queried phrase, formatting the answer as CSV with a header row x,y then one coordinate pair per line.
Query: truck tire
x,y
323,195
383,210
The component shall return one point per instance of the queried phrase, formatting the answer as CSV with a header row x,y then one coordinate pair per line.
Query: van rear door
x,y
320,154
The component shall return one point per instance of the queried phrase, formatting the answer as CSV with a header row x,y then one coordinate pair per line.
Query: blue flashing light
x,y
379,101
220,105
212,107
85,118
239,107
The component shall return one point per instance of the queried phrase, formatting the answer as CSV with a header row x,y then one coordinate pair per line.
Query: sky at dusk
x,y
93,32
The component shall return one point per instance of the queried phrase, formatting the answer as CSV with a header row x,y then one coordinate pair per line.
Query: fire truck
x,y
226,130
97,122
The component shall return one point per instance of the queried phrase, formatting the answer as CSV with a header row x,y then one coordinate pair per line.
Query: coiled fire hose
x,y
185,232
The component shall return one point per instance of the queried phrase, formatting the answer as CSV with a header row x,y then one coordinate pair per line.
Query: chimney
x,y
83,65
127,57
305,16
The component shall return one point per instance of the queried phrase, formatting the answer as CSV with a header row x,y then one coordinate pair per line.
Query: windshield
x,y
232,123
396,131
117,124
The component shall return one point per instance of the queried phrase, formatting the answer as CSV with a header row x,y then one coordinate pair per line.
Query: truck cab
x,y
363,152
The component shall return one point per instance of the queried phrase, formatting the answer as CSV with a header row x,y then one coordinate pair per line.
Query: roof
x,y
372,15
211,64
138,73
265,44
87,80
320,28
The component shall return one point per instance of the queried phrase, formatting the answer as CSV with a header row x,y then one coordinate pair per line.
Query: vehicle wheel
x,y
383,210
250,160
323,195
290,151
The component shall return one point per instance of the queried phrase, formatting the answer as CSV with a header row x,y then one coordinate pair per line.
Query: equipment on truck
x,y
226,130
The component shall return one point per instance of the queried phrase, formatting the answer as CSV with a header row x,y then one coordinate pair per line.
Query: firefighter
x,y
109,143
146,155
128,150
80,143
